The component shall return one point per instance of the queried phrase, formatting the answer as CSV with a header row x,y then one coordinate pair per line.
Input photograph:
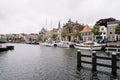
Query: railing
x,y
94,63
110,49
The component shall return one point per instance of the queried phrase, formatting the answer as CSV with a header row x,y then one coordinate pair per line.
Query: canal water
x,y
34,62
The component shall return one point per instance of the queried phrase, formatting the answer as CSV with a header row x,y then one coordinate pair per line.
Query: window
x,y
102,29
104,33
82,34
110,32
110,27
88,33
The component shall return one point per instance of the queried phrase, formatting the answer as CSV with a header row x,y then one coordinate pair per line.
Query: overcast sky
x,y
29,16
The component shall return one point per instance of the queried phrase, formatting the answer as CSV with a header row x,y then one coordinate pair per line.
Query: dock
x,y
6,48
113,47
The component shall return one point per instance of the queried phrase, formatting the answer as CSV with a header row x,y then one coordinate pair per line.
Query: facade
x,y
70,28
12,38
19,38
33,37
111,31
86,33
110,24
59,37
48,34
103,31
3,37
42,34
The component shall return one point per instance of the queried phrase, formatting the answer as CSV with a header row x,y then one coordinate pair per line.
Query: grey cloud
x,y
30,15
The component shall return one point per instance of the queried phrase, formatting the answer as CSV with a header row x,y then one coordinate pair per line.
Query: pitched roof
x,y
113,22
86,28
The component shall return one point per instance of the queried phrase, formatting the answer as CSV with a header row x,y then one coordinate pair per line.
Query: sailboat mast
x,y
46,23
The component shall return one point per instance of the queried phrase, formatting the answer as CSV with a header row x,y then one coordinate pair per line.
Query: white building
x,y
86,33
103,31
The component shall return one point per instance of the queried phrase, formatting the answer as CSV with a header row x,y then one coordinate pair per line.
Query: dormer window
x,y
102,29
110,32
104,33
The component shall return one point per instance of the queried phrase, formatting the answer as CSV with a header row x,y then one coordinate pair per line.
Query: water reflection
x,y
34,62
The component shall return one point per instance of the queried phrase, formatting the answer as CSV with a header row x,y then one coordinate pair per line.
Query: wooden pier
x,y
94,62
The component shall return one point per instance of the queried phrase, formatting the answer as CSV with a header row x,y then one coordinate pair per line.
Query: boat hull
x,y
88,47
63,45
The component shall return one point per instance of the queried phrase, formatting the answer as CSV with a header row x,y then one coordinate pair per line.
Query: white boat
x,y
89,45
49,44
65,44
3,47
62,44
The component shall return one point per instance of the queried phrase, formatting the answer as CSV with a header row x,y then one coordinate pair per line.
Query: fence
x,y
94,63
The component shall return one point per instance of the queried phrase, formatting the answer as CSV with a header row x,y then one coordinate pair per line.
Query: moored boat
x,y
89,45
65,44
3,47
49,44
33,42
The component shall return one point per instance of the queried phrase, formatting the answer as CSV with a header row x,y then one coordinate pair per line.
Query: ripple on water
x,y
34,62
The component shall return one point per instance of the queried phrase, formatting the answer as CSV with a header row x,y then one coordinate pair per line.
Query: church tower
x,y
59,25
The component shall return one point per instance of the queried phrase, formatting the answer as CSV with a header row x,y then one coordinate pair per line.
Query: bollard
x,y
114,64
94,68
79,59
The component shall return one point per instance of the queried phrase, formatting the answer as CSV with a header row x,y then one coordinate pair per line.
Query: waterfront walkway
x,y
114,43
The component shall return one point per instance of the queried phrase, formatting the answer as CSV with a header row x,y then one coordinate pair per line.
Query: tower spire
x,y
69,20
59,25
46,23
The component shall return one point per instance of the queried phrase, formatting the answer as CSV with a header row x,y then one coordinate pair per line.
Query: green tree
x,y
77,34
64,34
54,37
117,29
96,30
45,39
